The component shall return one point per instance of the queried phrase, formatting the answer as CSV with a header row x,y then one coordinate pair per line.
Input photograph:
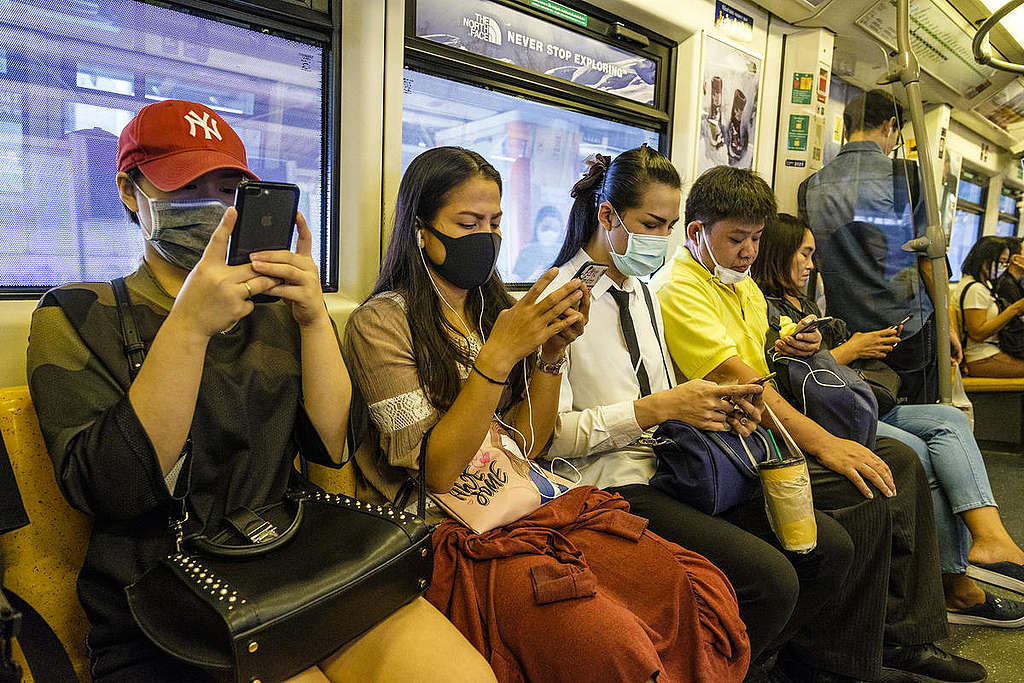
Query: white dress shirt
x,y
597,426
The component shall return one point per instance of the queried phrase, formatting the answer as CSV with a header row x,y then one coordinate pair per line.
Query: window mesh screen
x,y
74,72
538,149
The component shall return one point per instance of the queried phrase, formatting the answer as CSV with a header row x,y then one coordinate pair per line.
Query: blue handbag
x,y
712,471
833,395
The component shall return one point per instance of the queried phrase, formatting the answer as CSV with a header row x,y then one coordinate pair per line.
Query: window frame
x,y
296,23
967,206
1012,218
462,66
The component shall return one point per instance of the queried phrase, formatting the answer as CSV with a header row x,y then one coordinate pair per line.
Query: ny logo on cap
x,y
209,125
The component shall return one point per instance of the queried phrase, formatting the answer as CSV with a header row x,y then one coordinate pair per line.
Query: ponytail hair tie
x,y
593,177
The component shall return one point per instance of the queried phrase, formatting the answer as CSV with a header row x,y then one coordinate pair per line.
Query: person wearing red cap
x,y
220,399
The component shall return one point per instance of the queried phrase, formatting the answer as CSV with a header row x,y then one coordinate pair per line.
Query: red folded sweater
x,y
579,590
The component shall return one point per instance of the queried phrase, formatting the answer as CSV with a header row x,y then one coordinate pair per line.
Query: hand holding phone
x,y
266,221
812,325
903,322
589,273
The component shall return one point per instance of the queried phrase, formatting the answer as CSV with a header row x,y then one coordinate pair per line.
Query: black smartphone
x,y
814,324
266,221
896,326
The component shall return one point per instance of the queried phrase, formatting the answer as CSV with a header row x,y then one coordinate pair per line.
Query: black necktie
x,y
629,334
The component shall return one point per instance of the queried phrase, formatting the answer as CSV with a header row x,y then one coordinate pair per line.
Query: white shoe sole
x,y
995,579
972,620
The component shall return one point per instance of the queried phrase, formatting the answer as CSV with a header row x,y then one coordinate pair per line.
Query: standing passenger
x,y
230,376
577,589
861,211
618,387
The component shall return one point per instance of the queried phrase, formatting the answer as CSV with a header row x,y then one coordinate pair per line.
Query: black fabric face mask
x,y
469,260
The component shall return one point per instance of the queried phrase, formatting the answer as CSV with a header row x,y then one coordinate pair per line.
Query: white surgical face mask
x,y
726,276
997,270
644,253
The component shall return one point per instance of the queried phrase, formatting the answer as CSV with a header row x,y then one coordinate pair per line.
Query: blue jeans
x,y
942,438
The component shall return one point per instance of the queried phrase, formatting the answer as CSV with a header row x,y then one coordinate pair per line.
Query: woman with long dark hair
x,y
939,434
619,387
455,373
980,315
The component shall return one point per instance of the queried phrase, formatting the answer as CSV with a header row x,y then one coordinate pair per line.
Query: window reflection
x,y
538,149
966,231
75,73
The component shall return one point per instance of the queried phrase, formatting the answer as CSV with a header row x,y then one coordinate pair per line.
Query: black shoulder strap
x,y
44,653
963,316
657,332
134,348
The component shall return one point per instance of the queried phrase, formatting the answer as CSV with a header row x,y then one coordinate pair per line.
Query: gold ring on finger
x,y
247,289
743,421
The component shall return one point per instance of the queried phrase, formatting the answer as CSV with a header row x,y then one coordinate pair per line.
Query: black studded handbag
x,y
282,587
278,588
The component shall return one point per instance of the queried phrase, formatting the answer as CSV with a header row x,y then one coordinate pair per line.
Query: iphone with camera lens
x,y
266,221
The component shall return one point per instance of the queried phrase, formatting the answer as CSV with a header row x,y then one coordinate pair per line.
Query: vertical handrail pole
x,y
908,72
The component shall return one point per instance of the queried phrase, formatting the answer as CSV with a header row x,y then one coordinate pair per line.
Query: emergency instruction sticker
x,y
803,85
798,124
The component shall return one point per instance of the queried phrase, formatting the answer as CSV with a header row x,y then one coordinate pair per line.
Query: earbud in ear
x,y
419,238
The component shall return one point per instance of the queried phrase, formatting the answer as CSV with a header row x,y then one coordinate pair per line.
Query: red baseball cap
x,y
173,142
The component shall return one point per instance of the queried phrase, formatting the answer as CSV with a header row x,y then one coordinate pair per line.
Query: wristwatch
x,y
552,368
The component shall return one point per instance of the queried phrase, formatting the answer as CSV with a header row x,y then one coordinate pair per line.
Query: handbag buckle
x,y
263,533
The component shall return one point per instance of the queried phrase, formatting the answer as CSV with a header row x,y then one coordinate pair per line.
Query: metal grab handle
x,y
983,50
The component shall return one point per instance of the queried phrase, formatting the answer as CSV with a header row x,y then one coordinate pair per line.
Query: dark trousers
x,y
778,591
914,359
888,590
895,570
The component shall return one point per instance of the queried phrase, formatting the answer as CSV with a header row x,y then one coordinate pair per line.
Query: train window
x,y
972,189
969,219
966,231
537,148
535,87
1009,202
106,78
1009,212
76,73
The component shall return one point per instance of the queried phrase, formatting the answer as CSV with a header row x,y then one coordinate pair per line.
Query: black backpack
x,y
1011,336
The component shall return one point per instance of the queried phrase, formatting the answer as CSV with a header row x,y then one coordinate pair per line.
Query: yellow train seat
x,y
43,558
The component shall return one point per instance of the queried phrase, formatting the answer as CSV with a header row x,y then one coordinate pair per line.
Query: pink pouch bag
x,y
499,485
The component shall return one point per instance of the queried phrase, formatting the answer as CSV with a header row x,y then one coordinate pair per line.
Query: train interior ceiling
x,y
338,96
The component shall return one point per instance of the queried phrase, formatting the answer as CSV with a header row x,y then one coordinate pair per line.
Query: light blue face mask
x,y
644,253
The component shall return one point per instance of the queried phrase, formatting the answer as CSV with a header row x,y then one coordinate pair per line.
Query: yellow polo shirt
x,y
706,322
